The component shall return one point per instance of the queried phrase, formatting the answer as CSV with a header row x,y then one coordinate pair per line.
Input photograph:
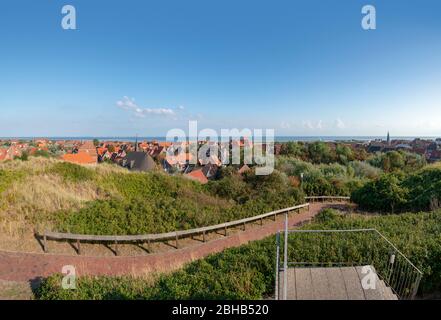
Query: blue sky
x,y
299,67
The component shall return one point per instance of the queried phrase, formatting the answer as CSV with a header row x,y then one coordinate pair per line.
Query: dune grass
x,y
107,199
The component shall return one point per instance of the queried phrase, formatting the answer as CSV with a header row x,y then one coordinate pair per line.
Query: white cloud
x,y
339,124
285,125
319,124
129,104
311,125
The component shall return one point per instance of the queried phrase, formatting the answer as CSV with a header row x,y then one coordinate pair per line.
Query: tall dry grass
x,y
36,193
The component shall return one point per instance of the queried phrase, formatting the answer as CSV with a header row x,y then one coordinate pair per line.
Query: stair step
x,y
336,283
320,284
304,288
344,283
352,283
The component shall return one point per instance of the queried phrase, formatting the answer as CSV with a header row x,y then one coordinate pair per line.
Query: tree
x,y
386,193
396,160
319,152
293,149
344,153
390,190
96,142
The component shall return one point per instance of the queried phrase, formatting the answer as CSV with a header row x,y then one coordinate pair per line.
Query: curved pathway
x,y
31,267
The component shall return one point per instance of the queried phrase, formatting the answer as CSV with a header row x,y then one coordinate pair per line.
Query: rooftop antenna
x,y
136,143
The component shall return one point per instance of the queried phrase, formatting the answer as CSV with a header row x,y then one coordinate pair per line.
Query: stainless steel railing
x,y
350,247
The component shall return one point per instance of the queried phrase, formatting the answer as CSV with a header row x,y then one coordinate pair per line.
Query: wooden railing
x,y
175,235
326,198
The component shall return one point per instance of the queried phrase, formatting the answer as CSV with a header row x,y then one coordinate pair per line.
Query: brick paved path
x,y
21,266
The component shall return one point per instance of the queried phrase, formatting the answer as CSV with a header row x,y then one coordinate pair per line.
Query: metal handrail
x,y
402,276
358,230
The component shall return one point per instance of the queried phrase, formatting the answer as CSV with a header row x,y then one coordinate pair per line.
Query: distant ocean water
x,y
277,138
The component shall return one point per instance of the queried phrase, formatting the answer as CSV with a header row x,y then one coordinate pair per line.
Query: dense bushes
x,y
72,172
394,161
247,272
419,191
326,179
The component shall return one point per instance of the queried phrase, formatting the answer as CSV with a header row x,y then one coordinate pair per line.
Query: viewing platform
x,y
333,283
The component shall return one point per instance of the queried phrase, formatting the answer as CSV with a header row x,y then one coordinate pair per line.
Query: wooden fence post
x,y
203,236
45,242
225,229
177,243
116,248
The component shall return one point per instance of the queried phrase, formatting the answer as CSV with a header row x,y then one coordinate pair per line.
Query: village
x,y
151,155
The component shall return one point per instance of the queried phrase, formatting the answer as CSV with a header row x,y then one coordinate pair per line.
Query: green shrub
x,y
326,215
72,172
6,178
419,191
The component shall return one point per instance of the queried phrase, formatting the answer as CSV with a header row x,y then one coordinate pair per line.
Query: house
x,y
9,153
3,154
277,148
434,156
138,161
210,170
373,148
89,148
403,146
243,169
197,175
179,161
156,151
79,158
212,159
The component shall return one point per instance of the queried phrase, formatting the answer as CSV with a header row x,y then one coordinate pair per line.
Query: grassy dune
x,y
107,199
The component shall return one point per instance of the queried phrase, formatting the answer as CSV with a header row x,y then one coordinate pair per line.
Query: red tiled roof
x,y
3,154
197,175
80,158
244,169
181,158
101,151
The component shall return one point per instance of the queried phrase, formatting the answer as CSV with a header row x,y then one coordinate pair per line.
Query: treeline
x,y
326,153
321,152
326,179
